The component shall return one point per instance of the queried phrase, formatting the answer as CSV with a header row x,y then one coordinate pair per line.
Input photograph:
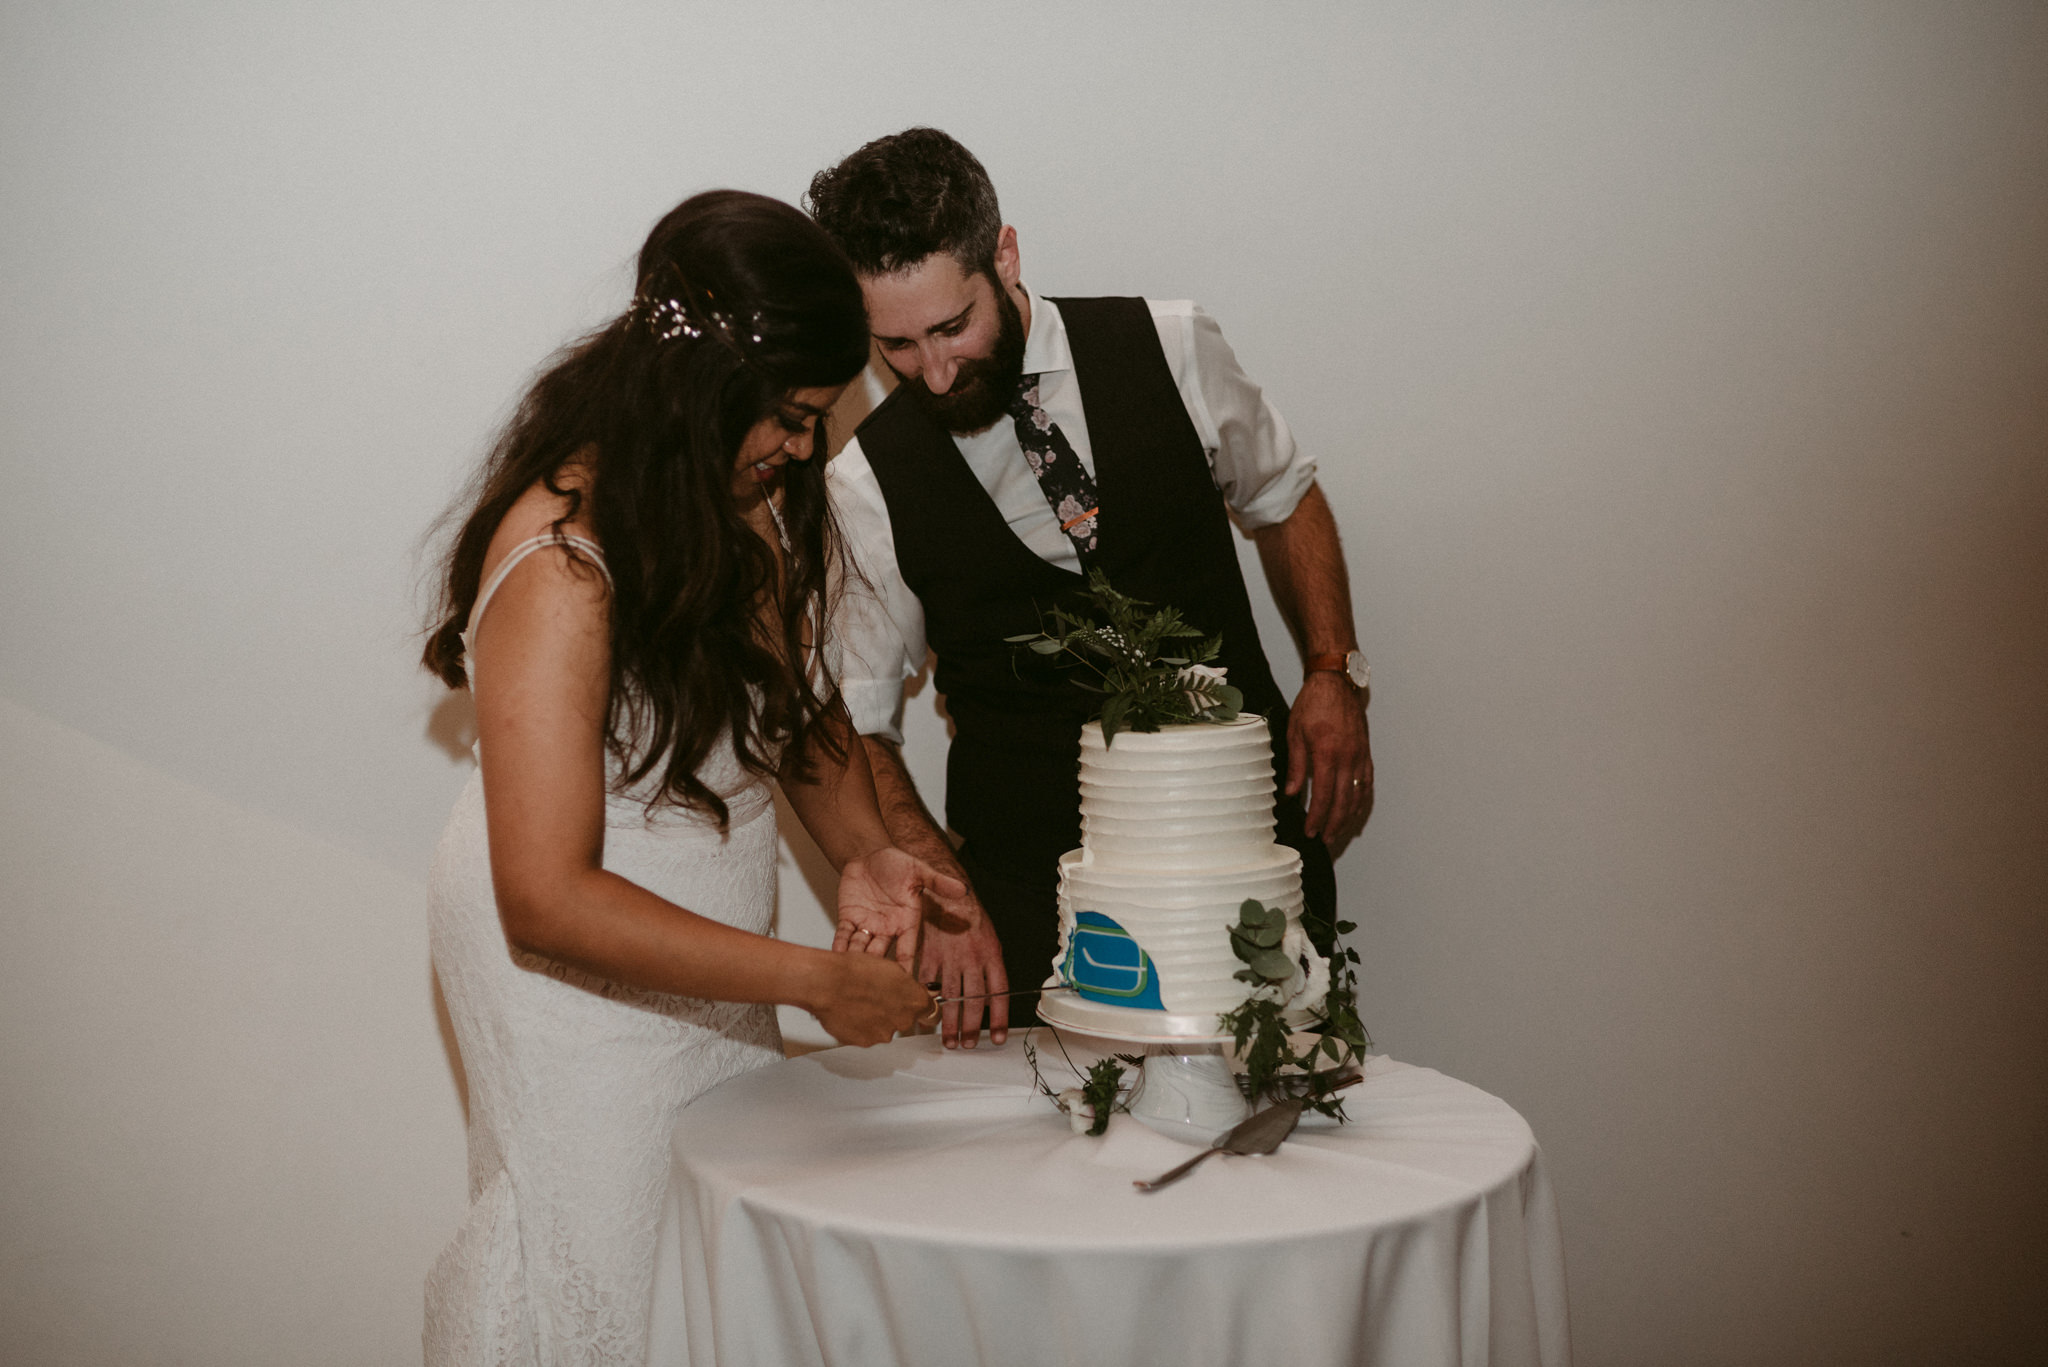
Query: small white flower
x,y
1039,419
1079,1113
1309,983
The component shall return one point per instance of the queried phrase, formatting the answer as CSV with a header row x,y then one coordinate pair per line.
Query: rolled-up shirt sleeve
x,y
1252,455
874,639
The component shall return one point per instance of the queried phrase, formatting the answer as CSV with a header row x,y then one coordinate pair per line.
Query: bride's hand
x,y
882,903
870,1000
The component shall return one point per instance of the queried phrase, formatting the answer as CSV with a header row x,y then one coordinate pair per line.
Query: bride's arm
x,y
540,664
882,890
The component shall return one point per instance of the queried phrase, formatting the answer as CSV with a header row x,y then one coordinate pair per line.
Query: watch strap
x,y
1351,665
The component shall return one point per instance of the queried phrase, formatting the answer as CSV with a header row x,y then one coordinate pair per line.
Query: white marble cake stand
x,y
1188,1091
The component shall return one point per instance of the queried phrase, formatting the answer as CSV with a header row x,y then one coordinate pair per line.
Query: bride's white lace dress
x,y
575,1082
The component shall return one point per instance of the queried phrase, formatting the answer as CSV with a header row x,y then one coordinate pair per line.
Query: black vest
x,y
1163,536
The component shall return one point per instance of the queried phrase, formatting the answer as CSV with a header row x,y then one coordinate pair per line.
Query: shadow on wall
x,y
448,1046
451,726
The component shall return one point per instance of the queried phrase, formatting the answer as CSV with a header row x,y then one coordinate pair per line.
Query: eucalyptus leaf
x,y
1273,966
1250,936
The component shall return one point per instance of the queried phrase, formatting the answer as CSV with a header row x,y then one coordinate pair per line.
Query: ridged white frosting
x,y
1176,832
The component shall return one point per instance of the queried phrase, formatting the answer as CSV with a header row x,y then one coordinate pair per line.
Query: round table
x,y
909,1205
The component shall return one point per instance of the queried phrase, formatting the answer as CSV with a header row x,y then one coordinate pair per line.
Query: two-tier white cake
x,y
1176,833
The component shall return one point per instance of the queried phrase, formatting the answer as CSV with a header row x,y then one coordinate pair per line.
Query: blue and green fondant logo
x,y
1105,964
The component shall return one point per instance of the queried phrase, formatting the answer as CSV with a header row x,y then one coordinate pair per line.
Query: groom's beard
x,y
981,390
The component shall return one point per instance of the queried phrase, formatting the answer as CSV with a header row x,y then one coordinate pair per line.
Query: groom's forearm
x,y
910,825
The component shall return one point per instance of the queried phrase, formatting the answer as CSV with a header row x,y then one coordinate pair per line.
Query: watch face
x,y
1358,669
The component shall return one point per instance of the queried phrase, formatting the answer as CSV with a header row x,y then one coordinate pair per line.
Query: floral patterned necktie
x,y
1064,481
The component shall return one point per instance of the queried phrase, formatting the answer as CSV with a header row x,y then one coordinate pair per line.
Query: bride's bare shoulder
x,y
538,511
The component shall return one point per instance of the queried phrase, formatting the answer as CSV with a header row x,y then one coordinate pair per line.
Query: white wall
x,y
1680,378
230,1132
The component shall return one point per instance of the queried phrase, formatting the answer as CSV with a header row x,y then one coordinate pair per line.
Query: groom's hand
x,y
1329,749
963,958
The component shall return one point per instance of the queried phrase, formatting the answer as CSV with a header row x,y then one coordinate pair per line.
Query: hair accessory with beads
x,y
669,319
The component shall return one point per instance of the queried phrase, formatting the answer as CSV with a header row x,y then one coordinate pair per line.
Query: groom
x,y
980,493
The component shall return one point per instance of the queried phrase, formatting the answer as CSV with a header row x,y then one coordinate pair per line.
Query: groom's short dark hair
x,y
901,198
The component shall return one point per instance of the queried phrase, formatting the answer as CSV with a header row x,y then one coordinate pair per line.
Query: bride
x,y
634,598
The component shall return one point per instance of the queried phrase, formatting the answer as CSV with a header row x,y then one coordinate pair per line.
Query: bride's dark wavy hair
x,y
740,301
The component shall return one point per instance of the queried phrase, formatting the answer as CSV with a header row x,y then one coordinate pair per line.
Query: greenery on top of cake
x,y
1122,641
1273,1067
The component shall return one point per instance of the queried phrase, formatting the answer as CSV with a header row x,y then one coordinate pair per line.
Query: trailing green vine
x,y
1263,1039
1101,1093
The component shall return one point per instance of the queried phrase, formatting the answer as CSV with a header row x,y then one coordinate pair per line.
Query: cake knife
x,y
991,996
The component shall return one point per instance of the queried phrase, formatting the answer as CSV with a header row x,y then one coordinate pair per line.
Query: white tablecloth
x,y
905,1205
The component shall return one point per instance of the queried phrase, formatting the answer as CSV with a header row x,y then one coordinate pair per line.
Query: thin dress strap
x,y
511,562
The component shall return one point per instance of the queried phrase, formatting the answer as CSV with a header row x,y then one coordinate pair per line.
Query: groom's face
x,y
954,333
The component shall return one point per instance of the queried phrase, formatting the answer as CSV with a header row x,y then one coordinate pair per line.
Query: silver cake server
x,y
1262,1133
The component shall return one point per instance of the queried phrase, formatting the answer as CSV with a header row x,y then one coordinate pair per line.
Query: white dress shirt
x,y
877,637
